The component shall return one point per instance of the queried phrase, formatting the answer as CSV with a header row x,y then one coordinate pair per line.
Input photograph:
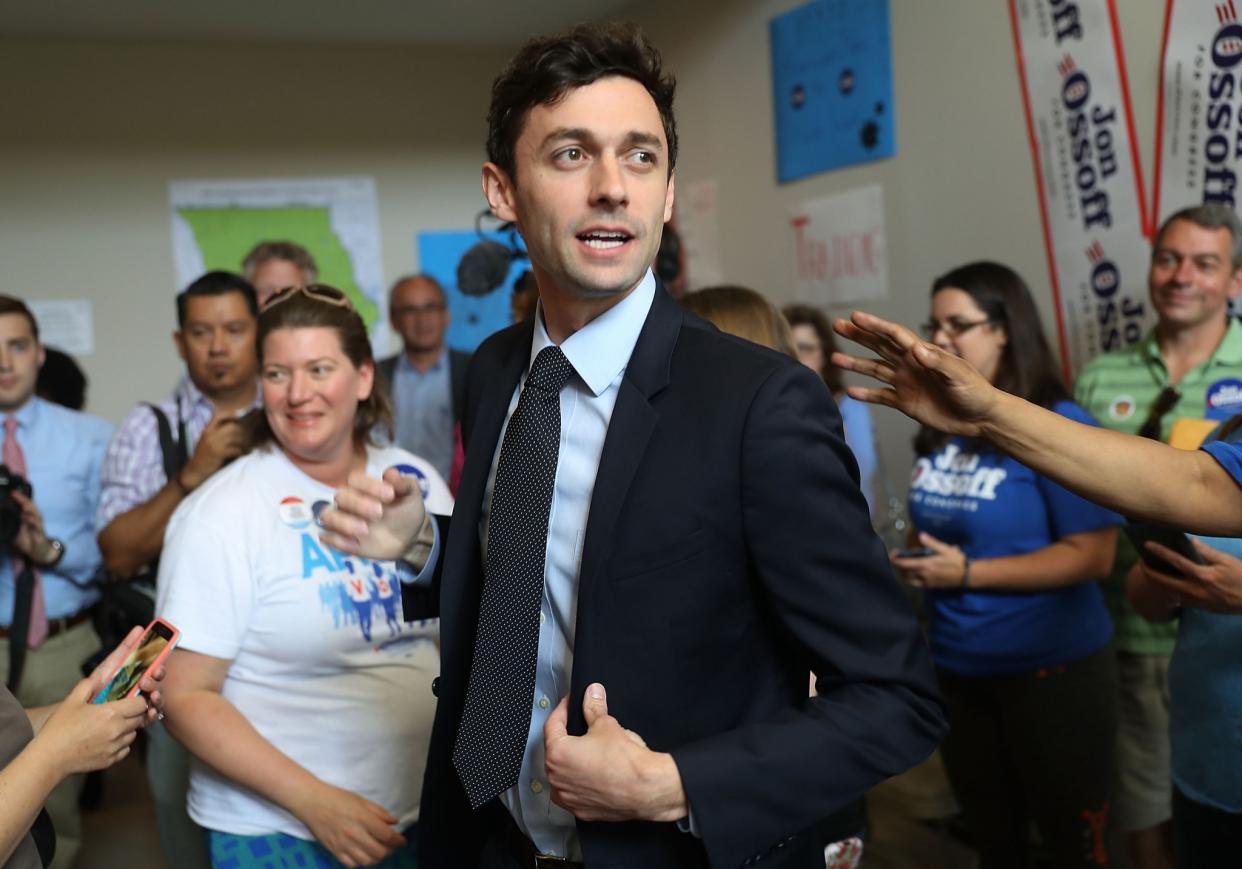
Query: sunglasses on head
x,y
317,292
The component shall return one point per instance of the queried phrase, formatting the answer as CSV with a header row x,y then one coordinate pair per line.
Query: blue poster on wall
x,y
482,307
832,77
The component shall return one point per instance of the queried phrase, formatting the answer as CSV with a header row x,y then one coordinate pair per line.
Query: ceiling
x,y
462,22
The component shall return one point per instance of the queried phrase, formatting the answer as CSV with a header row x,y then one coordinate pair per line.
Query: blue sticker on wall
x,y
476,311
832,78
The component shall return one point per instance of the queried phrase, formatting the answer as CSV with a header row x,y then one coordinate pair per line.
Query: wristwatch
x,y
57,553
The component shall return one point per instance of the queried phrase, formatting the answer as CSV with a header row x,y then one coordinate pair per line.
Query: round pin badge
x,y
294,512
317,508
1223,399
1121,408
424,485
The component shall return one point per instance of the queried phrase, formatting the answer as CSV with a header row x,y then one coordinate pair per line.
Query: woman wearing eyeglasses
x,y
302,694
1017,625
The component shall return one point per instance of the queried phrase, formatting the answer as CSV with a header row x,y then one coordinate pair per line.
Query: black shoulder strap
x,y
44,835
174,452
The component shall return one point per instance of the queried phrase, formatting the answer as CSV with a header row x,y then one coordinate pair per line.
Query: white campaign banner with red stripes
x,y
1199,113
1087,172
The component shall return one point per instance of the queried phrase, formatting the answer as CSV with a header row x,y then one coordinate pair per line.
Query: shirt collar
x,y
403,362
28,414
601,349
191,397
1227,352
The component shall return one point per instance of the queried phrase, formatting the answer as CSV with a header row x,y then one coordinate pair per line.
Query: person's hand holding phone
x,y
1215,585
137,665
357,831
81,736
935,565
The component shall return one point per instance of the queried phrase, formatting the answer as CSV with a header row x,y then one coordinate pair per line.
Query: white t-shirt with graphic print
x,y
322,664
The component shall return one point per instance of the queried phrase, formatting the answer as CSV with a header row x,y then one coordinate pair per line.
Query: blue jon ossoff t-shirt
x,y
992,506
1205,684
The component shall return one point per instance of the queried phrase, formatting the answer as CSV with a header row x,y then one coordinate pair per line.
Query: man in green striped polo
x,y
1187,369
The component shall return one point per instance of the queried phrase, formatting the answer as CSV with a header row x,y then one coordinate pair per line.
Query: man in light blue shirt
x,y
426,380
62,451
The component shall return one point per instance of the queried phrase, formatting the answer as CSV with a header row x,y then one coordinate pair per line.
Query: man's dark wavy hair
x,y
546,68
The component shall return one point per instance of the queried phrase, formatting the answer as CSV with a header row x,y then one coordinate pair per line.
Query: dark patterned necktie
x,y
496,719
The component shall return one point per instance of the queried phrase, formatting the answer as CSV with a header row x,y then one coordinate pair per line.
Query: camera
x,y
10,510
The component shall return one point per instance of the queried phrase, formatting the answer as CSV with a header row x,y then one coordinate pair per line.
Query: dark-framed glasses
x,y
951,327
315,292
426,310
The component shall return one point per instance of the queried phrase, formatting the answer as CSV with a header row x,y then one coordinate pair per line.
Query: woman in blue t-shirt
x,y
1017,625
813,345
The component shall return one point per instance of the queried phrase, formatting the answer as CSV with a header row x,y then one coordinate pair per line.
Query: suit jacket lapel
x,y
461,589
629,430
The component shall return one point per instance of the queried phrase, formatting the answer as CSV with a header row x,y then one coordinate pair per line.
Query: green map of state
x,y
226,235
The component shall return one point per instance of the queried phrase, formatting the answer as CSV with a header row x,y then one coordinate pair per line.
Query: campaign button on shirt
x,y
317,508
294,512
424,485
1223,399
1121,408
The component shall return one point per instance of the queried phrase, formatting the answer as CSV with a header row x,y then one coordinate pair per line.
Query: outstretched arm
x,y
1137,477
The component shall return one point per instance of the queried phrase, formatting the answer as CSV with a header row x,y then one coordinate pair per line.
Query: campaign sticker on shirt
x,y
1224,399
1121,408
294,512
424,485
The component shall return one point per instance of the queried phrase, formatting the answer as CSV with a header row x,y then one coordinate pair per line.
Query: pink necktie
x,y
15,459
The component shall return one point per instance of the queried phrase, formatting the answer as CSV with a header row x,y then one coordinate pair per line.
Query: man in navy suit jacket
x,y
708,545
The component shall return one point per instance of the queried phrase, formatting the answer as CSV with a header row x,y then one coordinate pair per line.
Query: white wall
x,y
93,132
961,186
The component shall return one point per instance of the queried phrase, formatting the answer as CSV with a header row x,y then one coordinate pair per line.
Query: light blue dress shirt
x,y
64,452
599,353
423,407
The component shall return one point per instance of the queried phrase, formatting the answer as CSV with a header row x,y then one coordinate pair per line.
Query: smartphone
x,y
1140,532
918,552
157,641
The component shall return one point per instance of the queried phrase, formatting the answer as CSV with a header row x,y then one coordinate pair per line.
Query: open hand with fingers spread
x,y
608,773
923,381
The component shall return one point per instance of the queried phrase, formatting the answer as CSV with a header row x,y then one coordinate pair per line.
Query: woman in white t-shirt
x,y
303,696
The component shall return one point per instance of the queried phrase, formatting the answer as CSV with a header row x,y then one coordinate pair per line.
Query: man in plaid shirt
x,y
216,317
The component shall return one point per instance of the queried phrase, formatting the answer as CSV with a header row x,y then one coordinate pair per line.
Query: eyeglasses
x,y
951,327
315,292
1165,401
418,310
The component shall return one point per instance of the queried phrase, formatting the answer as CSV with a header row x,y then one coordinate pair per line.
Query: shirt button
x,y
542,617
544,702
536,786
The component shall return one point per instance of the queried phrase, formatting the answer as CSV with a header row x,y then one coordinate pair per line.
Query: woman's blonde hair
x,y
743,312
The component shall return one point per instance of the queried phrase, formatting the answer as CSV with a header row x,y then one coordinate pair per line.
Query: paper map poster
x,y
216,223
832,76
